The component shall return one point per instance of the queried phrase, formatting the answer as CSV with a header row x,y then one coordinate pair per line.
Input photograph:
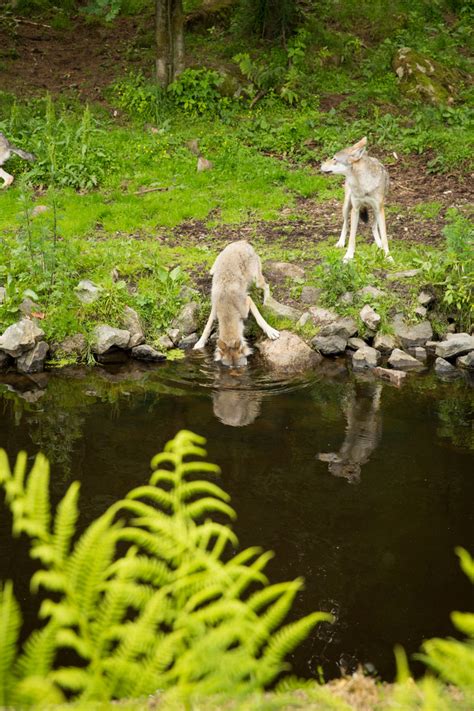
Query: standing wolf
x,y
366,186
6,149
236,268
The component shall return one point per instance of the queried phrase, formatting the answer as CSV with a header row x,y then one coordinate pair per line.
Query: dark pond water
x,y
363,489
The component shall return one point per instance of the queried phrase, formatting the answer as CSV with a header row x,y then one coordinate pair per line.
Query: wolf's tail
x,y
364,214
22,154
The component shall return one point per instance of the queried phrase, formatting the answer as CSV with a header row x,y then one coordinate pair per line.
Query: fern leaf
x,y
264,597
37,495
35,687
5,472
284,641
10,623
198,508
276,613
141,568
43,552
38,652
158,496
69,638
148,541
65,615
467,562
51,580
65,521
19,472
163,476
195,488
71,679
464,622
198,468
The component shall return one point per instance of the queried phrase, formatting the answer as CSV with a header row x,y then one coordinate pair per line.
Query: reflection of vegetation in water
x,y
457,416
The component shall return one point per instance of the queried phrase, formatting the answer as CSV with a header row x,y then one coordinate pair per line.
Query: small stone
x,y
385,343
20,337
329,345
39,210
288,353
345,327
187,319
444,367
456,345
189,341
431,346
403,361
147,353
396,377
347,298
87,292
371,291
321,316
419,353
131,322
310,295
204,164
283,270
466,361
3,294
303,319
412,336
27,307
71,346
370,317
106,337
425,298
366,357
407,274
282,310
356,343
33,361
165,343
175,335
421,311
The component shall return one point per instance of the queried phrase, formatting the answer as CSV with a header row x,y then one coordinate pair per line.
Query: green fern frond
x,y
275,614
63,613
284,641
158,496
464,622
72,679
198,467
39,652
70,639
49,580
467,562
37,496
141,568
65,522
198,508
5,472
19,473
36,687
10,624
198,488
43,552
264,597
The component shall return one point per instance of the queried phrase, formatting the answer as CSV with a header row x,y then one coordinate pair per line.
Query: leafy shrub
x,y
139,97
149,597
196,91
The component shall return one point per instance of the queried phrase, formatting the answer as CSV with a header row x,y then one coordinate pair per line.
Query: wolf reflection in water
x,y
363,432
236,407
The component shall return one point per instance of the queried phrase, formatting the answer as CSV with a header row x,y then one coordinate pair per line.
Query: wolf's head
x,y
343,160
233,354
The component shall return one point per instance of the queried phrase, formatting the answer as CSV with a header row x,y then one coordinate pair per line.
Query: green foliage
x,y
140,98
150,596
196,91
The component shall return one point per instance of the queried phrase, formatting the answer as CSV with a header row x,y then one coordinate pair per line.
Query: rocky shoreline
x,y
390,356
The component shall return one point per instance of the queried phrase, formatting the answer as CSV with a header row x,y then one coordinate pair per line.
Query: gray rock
x,y
289,353
303,320
356,343
310,295
407,274
385,342
282,310
431,346
321,317
283,270
412,336
187,293
71,346
444,367
87,292
33,361
424,79
366,357
27,307
148,353
466,361
370,317
3,294
419,353
165,343
187,320
175,336
421,311
347,298
189,341
371,291
403,361
396,377
329,345
425,298
107,337
456,345
345,327
131,322
20,337
38,210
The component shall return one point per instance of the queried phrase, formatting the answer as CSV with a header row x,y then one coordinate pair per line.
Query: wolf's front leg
x,y
266,328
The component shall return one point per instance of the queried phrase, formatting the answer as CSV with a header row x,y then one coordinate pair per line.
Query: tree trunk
x,y
169,40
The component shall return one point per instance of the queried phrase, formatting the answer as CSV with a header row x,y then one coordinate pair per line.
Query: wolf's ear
x,y
358,150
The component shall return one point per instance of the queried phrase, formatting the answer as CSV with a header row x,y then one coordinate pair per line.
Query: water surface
x,y
362,488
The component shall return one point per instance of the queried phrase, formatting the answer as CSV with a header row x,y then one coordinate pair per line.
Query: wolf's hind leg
x,y
207,330
6,177
266,328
